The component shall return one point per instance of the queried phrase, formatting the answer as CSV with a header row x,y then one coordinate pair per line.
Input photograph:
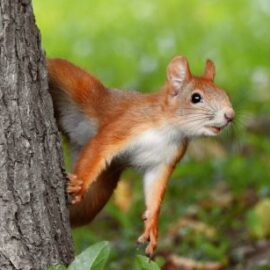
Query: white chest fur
x,y
154,147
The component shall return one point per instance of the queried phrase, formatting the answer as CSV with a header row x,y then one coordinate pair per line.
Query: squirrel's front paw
x,y
75,187
150,235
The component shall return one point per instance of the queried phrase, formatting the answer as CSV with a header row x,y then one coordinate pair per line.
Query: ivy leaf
x,y
144,263
93,258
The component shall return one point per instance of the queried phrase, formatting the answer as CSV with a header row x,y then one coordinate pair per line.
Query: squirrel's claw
x,y
76,199
74,188
150,235
142,239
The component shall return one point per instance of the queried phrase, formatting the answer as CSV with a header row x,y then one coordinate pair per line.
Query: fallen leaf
x,y
194,226
181,263
122,195
220,196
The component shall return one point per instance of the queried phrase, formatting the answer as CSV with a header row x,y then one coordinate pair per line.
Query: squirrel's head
x,y
200,106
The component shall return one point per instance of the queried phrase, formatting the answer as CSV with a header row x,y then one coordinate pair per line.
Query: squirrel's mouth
x,y
218,127
214,129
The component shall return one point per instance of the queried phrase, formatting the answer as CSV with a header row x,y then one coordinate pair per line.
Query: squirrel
x,y
110,130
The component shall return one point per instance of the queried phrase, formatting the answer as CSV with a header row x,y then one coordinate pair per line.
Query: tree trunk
x,y
34,224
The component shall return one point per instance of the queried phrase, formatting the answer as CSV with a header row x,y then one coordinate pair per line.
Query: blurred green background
x,y
217,204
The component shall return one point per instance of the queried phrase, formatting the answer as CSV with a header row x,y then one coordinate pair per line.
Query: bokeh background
x,y
217,207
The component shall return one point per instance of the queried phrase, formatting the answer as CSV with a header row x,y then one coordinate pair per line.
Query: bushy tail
x,y
73,80
97,196
72,91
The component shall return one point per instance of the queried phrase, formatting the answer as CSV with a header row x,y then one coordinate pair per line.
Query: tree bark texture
x,y
34,224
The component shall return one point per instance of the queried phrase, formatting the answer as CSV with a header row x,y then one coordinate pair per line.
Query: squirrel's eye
x,y
196,98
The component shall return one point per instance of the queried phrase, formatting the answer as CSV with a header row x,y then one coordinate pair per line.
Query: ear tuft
x,y
209,71
178,72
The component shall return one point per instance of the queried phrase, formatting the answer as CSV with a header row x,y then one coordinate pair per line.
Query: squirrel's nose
x,y
229,114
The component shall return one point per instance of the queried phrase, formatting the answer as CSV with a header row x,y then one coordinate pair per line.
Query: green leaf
x,y
258,220
93,258
144,263
57,267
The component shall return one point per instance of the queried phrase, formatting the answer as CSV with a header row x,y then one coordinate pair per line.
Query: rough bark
x,y
34,225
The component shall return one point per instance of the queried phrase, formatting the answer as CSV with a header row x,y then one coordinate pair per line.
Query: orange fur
x,y
96,196
121,119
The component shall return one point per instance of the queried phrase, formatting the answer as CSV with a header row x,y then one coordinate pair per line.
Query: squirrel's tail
x,y
96,197
78,84
72,91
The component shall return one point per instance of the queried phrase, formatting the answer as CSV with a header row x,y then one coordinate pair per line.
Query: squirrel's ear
x,y
209,71
177,73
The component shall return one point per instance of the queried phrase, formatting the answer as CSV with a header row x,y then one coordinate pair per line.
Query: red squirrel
x,y
110,130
